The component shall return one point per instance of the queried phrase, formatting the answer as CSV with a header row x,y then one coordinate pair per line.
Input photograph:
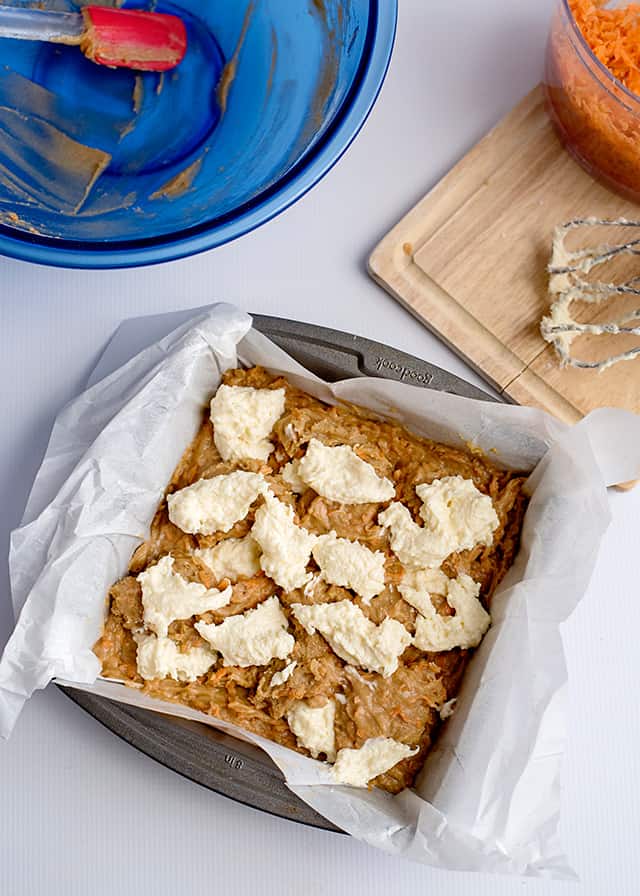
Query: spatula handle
x,y
41,24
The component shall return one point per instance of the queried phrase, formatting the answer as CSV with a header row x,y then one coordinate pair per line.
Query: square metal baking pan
x,y
219,762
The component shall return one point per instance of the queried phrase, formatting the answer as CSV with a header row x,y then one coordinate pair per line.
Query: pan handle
x,y
334,355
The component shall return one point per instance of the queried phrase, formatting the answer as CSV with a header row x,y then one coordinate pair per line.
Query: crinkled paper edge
x,y
492,821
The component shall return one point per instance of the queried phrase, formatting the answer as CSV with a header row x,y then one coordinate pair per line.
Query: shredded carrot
x,y
598,121
614,37
220,673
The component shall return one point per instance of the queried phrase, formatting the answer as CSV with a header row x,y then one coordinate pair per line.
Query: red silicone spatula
x,y
119,38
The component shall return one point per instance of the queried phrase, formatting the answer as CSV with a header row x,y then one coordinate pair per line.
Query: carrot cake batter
x,y
317,576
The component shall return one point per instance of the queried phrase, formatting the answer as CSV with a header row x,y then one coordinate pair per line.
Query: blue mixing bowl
x,y
109,168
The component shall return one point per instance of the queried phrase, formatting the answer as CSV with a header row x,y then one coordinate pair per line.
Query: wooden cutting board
x,y
469,261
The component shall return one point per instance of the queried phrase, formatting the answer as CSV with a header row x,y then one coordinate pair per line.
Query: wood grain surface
x,y
469,261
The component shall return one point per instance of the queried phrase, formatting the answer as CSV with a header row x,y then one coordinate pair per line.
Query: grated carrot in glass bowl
x,y
614,36
592,78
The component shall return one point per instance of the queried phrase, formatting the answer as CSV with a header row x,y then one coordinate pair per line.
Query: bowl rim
x,y
600,66
313,166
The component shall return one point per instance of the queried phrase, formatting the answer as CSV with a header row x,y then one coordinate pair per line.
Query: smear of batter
x,y
272,63
130,125
137,98
180,183
12,219
229,71
329,68
38,161
29,98
326,81
138,94
110,201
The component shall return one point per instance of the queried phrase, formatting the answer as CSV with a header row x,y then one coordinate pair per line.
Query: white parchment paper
x,y
488,797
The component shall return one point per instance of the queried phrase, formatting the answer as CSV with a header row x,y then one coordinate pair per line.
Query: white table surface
x,y
83,813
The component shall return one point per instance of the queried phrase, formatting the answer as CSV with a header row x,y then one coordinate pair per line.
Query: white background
x,y
83,813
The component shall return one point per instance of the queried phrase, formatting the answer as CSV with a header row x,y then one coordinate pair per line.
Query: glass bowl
x,y
597,117
109,168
